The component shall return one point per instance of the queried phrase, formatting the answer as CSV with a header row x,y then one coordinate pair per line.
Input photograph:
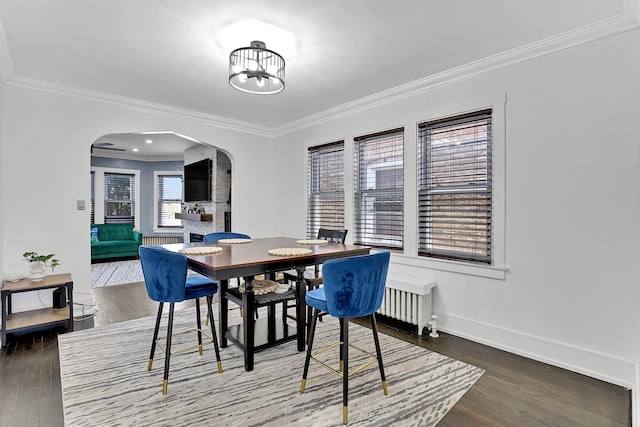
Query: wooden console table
x,y
44,317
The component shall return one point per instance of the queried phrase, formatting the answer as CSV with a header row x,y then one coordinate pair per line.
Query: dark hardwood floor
x,y
514,391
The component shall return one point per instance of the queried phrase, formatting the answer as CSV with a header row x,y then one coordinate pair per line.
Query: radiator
x,y
408,301
161,240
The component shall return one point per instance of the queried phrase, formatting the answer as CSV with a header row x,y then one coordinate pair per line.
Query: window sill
x,y
488,271
168,230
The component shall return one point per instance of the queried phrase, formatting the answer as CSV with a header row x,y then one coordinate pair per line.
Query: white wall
x,y
570,215
44,170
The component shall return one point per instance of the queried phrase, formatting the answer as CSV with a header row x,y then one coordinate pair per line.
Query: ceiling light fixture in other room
x,y
256,69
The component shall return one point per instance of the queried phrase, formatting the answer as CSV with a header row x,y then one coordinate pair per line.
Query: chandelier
x,y
256,69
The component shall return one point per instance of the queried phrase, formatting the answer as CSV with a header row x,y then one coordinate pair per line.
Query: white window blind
x,y
454,188
119,198
379,189
92,200
169,202
325,204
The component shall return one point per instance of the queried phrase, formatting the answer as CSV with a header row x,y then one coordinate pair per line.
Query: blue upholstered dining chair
x,y
165,275
353,287
214,237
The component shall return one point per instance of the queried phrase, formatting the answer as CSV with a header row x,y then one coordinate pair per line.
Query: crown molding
x,y
585,34
140,105
6,63
124,156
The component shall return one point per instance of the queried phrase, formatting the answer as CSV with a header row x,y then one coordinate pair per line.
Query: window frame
x,y
99,192
361,231
131,200
314,190
157,227
498,102
446,229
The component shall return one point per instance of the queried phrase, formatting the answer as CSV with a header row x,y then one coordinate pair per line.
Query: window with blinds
x,y
92,199
119,198
379,189
169,199
454,188
325,204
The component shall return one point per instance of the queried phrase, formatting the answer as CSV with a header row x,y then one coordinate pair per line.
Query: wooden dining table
x,y
247,260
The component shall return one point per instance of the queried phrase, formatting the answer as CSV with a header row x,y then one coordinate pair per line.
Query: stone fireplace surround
x,y
221,197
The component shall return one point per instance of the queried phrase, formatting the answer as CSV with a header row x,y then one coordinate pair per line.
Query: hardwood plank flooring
x,y
514,391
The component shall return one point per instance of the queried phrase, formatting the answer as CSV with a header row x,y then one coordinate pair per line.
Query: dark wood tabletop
x,y
250,259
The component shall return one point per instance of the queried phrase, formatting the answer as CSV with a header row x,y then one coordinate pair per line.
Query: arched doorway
x,y
137,178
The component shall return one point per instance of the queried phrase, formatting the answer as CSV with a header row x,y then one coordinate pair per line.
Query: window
x,y
325,205
119,197
168,197
379,189
92,200
454,188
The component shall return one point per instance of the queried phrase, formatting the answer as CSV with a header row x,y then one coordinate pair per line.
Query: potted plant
x,y
37,264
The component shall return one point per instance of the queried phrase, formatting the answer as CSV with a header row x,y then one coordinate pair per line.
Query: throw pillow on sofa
x,y
94,235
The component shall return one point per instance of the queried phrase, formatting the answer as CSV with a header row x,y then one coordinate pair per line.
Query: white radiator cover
x,y
161,240
409,300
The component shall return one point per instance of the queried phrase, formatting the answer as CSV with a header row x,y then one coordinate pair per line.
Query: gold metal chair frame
x,y
207,342
372,359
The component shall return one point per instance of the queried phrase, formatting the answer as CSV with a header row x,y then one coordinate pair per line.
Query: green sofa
x,y
114,241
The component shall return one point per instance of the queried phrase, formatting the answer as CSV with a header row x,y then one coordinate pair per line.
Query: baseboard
x,y
593,364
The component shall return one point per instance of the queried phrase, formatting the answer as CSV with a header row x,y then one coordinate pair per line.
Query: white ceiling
x,y
166,52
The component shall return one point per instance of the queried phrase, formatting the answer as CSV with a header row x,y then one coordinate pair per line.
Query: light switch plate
x,y
80,205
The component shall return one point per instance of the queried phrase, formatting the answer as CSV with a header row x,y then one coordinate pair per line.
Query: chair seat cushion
x,y
199,280
198,286
317,299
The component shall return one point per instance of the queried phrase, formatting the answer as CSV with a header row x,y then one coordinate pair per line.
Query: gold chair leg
x,y
303,385
219,367
150,363
165,385
345,415
384,387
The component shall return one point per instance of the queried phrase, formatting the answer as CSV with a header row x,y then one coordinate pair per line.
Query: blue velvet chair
x,y
214,237
165,275
353,287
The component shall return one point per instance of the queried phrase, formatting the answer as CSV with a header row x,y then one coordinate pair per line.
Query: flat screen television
x,y
197,181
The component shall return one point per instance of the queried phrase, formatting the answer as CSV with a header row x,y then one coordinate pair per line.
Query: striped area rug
x,y
116,273
105,382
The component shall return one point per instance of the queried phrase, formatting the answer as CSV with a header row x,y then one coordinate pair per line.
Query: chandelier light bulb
x,y
252,65
256,69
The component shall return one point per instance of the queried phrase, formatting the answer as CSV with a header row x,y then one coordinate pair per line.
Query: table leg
x,y
248,307
271,323
223,306
70,298
5,300
301,312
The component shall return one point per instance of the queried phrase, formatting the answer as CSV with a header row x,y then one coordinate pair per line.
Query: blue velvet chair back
x,y
354,286
165,273
214,237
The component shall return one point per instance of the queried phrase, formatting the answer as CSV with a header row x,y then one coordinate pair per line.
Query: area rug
x,y
116,273
105,382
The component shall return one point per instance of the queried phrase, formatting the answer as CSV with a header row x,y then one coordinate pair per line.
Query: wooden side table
x,y
43,317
